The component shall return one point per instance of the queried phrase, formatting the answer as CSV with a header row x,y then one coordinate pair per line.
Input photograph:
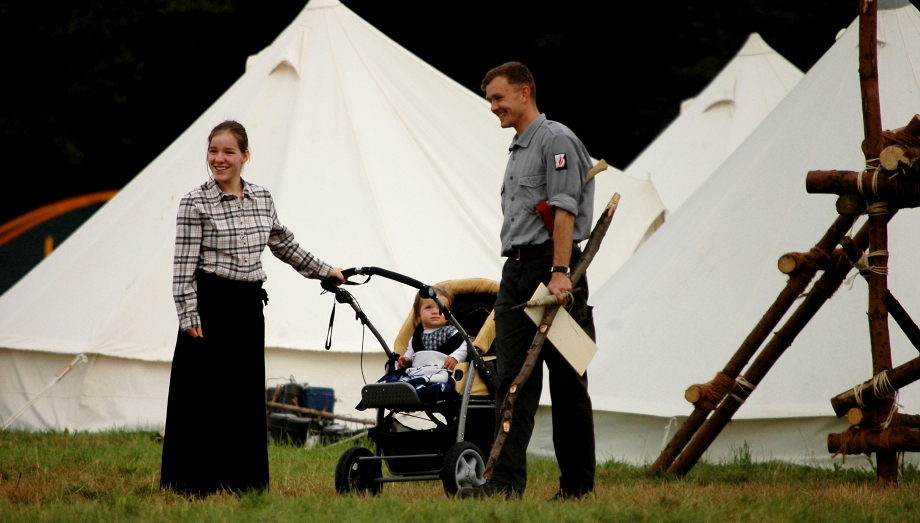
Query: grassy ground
x,y
113,476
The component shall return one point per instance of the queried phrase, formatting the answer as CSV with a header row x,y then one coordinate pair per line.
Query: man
x,y
547,164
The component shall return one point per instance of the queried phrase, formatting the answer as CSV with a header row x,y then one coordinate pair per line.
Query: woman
x,y
216,433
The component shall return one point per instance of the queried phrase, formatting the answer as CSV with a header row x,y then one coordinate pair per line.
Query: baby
x,y
436,346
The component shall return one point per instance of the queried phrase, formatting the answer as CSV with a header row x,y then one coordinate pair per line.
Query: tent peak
x,y
322,4
755,45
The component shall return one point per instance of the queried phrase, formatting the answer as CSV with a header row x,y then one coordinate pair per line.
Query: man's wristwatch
x,y
564,269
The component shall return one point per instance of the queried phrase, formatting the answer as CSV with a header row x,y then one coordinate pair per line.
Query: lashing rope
x,y
745,387
864,267
877,208
881,389
872,165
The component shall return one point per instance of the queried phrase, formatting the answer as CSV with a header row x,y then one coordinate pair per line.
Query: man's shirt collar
x,y
525,139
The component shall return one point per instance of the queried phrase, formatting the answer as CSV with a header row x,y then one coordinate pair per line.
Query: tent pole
x,y
79,359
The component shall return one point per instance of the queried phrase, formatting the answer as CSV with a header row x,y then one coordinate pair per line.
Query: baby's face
x,y
430,315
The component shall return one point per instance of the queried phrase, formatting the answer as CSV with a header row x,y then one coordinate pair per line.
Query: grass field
x,y
113,476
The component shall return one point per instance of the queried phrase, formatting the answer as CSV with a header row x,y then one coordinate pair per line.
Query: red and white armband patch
x,y
559,160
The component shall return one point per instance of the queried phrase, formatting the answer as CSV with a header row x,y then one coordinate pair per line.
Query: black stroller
x,y
445,437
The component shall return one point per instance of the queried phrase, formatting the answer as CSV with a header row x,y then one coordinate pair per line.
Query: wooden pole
x,y
886,461
820,292
871,183
873,390
903,319
908,137
316,413
795,286
868,78
895,309
793,261
866,440
533,353
857,416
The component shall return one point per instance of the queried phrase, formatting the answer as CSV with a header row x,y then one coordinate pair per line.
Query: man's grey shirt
x,y
547,162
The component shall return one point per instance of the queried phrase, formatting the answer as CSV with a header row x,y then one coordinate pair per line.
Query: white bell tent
x,y
711,125
374,159
679,308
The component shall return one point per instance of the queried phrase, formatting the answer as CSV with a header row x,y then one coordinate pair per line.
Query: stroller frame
x,y
433,454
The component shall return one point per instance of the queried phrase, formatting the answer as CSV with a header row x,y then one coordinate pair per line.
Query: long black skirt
x,y
216,431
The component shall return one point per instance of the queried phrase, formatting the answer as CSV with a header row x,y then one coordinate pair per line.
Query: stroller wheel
x,y
463,467
355,475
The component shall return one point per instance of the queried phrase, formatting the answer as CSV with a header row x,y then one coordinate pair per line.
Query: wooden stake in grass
x,y
533,353
316,413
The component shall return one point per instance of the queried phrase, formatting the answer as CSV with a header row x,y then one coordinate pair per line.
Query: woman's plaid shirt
x,y
221,234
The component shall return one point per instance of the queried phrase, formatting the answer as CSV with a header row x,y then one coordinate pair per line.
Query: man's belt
x,y
526,252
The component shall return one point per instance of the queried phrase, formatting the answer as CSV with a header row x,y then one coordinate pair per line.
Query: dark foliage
x,y
94,90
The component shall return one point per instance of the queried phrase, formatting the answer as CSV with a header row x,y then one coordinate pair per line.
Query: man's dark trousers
x,y
573,424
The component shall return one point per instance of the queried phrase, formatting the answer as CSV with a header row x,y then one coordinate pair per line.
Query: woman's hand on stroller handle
x,y
333,280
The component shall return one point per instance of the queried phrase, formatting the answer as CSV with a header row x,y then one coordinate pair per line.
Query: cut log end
x,y
787,263
693,393
892,156
851,205
855,416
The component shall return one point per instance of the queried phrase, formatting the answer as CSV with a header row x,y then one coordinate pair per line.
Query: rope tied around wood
x,y
892,412
872,164
851,439
864,267
877,208
881,389
742,386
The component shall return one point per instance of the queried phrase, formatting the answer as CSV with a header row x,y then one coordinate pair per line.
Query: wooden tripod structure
x,y
890,181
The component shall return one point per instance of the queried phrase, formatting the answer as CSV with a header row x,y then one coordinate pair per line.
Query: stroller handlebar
x,y
377,271
330,284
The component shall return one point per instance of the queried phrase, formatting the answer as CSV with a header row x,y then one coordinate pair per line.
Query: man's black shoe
x,y
562,495
490,489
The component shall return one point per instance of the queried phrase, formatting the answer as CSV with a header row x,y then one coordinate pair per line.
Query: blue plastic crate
x,y
318,398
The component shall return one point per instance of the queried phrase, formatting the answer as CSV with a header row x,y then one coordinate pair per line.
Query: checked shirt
x,y
224,235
